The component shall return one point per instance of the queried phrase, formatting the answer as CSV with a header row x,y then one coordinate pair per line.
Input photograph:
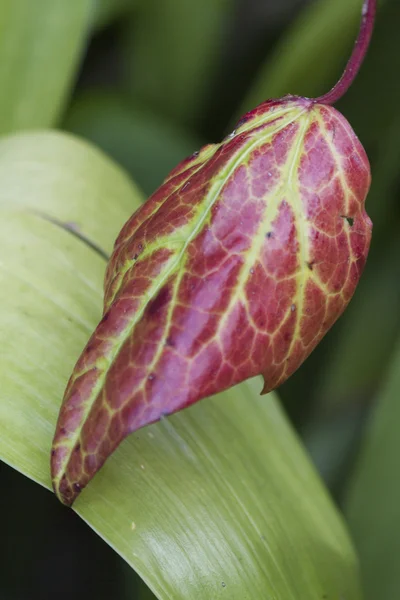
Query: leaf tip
x,y
67,478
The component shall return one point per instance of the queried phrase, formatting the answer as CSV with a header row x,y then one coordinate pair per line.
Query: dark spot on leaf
x,y
63,431
53,452
140,246
269,235
151,377
350,220
170,342
310,265
159,301
89,348
135,256
223,584
77,487
104,318
195,154
77,448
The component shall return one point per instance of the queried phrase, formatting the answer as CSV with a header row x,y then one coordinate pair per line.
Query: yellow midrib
x,y
210,151
300,220
269,215
239,160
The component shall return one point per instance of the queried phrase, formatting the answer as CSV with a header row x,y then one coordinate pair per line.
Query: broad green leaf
x,y
171,53
41,43
217,501
373,506
311,54
93,196
145,144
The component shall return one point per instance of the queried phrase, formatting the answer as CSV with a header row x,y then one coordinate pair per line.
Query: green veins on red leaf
x,y
236,266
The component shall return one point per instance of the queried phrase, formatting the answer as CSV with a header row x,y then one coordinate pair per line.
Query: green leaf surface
x,y
218,501
41,43
68,180
311,55
373,506
145,144
171,50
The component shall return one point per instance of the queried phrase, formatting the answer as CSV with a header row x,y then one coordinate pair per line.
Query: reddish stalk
x,y
357,56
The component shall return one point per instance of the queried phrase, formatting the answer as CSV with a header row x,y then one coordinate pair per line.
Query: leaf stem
x,y
357,56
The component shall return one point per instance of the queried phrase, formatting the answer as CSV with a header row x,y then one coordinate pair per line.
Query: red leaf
x,y
237,265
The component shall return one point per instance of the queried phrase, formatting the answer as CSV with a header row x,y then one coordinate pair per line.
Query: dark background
x,y
126,100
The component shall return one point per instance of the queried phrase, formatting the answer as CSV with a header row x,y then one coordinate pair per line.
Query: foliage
x,y
220,500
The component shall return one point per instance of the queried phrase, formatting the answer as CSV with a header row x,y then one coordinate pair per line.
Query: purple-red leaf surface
x,y
237,265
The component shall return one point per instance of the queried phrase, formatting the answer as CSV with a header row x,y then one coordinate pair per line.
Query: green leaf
x,y
217,501
145,144
108,10
373,507
171,49
311,54
41,43
66,179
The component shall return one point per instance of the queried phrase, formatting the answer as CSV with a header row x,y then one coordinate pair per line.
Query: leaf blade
x,y
372,504
41,44
22,157
237,266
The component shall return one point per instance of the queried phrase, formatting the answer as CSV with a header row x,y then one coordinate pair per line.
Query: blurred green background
x,y
152,80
